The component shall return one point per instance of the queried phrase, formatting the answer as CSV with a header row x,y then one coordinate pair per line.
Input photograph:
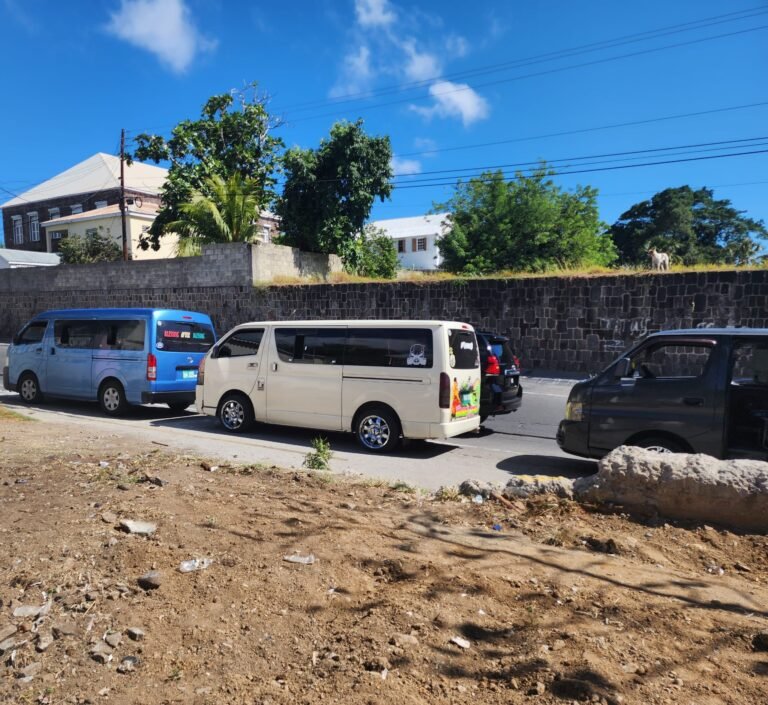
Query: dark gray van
x,y
687,391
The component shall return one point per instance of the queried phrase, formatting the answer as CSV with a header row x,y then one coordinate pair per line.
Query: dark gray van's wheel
x,y
236,413
178,406
378,429
29,389
661,445
112,398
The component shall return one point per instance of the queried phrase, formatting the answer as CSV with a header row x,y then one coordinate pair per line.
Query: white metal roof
x,y
415,226
148,212
27,258
97,173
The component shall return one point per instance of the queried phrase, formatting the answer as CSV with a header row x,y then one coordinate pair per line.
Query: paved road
x,y
520,443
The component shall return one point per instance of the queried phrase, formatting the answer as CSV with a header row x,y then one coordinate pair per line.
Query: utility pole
x,y
122,194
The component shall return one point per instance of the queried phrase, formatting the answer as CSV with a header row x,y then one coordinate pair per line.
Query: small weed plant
x,y
319,458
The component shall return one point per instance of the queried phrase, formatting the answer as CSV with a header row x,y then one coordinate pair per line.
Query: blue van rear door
x,y
180,345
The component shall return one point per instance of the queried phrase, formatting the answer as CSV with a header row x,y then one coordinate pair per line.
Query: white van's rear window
x,y
183,336
463,352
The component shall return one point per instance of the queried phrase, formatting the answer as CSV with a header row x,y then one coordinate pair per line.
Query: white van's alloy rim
x,y
232,414
374,432
111,399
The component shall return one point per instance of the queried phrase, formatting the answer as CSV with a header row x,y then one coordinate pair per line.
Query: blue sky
x,y
457,86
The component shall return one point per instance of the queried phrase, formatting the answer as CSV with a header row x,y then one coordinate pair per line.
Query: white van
x,y
382,380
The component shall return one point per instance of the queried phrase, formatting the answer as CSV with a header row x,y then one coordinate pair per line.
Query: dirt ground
x,y
409,600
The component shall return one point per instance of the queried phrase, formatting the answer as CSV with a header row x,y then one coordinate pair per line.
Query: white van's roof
x,y
363,323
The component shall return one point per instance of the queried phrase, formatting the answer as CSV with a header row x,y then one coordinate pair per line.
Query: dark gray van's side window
x,y
33,333
242,343
311,346
389,347
463,352
671,360
750,363
75,334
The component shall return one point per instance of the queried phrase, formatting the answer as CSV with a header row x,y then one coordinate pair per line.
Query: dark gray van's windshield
x,y
183,336
463,352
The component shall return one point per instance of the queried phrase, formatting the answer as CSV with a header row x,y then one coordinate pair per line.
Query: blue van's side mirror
x,y
622,368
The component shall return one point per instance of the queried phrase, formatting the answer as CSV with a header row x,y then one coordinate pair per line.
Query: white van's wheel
x,y
29,389
112,398
378,429
236,413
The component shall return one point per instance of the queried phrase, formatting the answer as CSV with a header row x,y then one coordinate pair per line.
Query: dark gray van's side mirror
x,y
622,368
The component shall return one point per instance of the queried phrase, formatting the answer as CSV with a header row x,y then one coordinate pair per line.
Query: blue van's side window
x,y
75,334
181,336
122,335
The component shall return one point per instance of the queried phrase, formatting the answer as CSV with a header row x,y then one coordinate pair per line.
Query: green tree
x,y
691,225
375,254
229,214
232,136
329,191
525,224
88,249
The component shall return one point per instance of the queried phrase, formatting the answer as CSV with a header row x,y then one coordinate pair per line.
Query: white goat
x,y
659,260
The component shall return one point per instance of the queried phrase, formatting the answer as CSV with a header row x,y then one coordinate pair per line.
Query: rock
x,y
43,642
101,652
128,664
681,486
602,546
558,645
123,487
113,639
64,629
135,634
91,596
524,486
7,631
538,689
7,645
378,664
473,488
31,611
403,640
301,560
460,642
151,580
760,641
29,672
140,528
109,517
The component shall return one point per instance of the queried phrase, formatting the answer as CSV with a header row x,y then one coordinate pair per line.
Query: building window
x,y
34,227
76,208
401,246
91,232
18,230
53,213
100,204
265,233
421,244
58,234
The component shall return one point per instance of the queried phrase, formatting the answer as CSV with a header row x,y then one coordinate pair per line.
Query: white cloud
x,y
356,73
454,100
420,65
374,13
426,146
405,167
162,27
457,46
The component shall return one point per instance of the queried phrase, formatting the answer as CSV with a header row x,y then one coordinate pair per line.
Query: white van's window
x,y
75,335
311,346
463,352
120,335
183,336
33,333
671,360
389,347
241,343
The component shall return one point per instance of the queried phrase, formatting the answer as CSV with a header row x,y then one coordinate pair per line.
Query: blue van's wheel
x,y
29,389
236,413
378,429
112,398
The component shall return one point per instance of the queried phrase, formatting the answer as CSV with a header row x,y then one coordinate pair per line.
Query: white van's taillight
x,y
445,391
201,372
151,367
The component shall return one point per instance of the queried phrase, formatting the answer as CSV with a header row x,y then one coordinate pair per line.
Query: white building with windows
x,y
416,239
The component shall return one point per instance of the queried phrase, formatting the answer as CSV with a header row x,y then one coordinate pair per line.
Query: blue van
x,y
117,356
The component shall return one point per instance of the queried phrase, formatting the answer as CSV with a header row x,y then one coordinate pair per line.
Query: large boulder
x,y
680,486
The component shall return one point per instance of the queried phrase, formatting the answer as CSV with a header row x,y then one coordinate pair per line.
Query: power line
x,y
539,58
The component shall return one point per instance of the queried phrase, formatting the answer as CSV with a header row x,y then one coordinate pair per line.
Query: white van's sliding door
x,y
304,377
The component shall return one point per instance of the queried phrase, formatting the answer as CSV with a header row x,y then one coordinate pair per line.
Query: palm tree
x,y
229,214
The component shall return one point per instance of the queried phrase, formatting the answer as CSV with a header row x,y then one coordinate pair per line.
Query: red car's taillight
x,y
492,367
445,391
151,367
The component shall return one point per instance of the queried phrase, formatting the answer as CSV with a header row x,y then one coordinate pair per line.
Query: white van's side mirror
x,y
622,368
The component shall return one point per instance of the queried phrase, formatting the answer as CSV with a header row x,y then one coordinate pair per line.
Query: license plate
x,y
189,374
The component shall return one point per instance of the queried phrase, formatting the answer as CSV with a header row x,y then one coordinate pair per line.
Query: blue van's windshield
x,y
184,336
